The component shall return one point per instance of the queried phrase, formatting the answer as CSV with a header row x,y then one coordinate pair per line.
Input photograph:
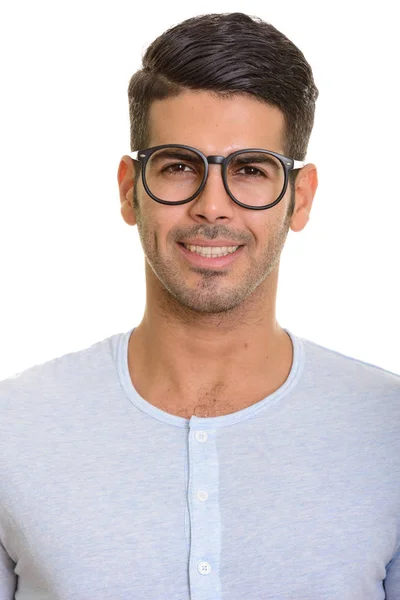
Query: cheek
x,y
160,223
280,216
270,227
261,225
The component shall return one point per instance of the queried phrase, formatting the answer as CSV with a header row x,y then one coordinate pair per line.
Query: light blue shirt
x,y
103,496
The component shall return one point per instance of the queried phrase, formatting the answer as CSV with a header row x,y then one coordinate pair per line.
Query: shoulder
x,y
76,369
347,373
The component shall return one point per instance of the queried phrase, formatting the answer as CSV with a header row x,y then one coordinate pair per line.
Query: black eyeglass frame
x,y
289,164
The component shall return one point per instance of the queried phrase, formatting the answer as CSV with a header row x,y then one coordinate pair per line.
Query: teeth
x,y
211,250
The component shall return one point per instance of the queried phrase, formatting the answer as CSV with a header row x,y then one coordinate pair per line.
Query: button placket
x,y
204,567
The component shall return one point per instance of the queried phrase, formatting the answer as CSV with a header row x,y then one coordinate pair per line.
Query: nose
x,y
213,203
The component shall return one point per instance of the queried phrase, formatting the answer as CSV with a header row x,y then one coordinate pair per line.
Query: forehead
x,y
215,124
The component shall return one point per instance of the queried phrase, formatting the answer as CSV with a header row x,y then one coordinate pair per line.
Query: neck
x,y
175,352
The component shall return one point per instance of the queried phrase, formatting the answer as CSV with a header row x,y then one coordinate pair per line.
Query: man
x,y
207,453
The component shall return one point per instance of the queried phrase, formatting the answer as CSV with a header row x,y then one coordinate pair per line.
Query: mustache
x,y
212,233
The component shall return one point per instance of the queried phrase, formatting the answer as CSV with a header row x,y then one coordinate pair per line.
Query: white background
x,y
72,271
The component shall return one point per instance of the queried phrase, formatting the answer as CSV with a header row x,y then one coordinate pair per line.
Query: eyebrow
x,y
177,154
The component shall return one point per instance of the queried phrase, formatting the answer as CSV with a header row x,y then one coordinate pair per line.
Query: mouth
x,y
210,256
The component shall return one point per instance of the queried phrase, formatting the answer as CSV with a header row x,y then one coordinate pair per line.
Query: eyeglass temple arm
x,y
298,164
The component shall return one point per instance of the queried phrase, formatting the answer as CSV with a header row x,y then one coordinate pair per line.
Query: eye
x,y
251,171
177,168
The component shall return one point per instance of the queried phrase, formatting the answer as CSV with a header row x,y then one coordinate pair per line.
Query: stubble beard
x,y
209,296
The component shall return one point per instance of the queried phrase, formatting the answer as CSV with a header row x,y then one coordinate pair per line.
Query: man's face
x,y
216,126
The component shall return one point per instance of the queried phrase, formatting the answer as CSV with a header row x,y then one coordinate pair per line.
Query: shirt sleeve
x,y
392,580
8,578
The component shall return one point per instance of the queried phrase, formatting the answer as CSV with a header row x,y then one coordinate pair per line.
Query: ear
x,y
126,175
305,187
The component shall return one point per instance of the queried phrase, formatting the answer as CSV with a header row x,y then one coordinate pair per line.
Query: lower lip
x,y
214,262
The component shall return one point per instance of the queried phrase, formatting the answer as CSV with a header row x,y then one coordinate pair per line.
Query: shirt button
x,y
201,436
204,568
202,495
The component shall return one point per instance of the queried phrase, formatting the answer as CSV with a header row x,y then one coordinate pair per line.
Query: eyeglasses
x,y
254,178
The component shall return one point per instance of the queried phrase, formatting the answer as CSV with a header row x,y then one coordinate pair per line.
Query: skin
x,y
209,343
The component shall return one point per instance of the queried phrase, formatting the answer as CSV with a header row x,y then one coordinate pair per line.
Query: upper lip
x,y
209,243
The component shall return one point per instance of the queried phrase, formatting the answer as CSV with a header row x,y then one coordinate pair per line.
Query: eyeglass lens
x,y
253,178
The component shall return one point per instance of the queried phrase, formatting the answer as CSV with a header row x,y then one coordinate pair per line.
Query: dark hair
x,y
227,54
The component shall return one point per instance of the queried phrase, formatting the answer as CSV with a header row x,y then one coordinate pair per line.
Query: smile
x,y
211,251
210,257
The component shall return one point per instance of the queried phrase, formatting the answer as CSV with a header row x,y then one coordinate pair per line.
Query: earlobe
x,y
305,187
125,178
